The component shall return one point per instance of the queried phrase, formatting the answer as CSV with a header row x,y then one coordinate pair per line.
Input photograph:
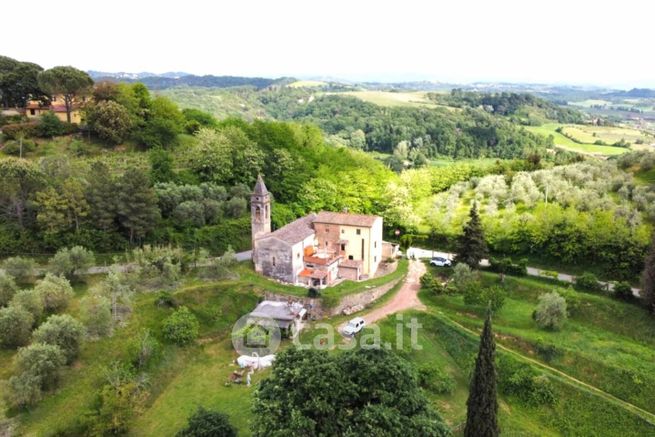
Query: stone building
x,y
315,250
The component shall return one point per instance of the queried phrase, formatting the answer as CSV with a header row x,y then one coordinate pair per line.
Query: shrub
x,y
549,274
55,291
63,331
19,267
313,292
15,326
432,284
207,423
463,277
96,315
68,262
181,327
14,130
506,265
435,379
143,349
166,300
38,367
31,301
494,297
7,288
622,290
525,383
588,281
14,147
551,311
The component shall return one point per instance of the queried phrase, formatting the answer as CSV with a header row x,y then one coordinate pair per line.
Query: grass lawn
x,y
568,144
646,177
307,84
390,99
606,343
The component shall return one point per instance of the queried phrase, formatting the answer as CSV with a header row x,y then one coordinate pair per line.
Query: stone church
x,y
315,250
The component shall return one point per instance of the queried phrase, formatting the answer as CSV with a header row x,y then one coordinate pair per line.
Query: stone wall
x,y
274,259
363,298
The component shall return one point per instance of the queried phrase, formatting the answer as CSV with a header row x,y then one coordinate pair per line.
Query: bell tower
x,y
260,210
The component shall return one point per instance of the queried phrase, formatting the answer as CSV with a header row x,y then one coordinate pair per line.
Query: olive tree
x,y
70,262
38,367
56,292
31,301
551,311
96,315
7,288
15,326
20,268
63,331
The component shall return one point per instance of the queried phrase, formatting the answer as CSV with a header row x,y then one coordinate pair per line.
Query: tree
x,y
648,278
110,121
96,315
38,366
19,179
101,197
471,246
161,165
311,392
63,331
463,277
70,262
50,125
55,291
8,288
136,203
551,311
18,83
207,423
31,301
142,349
161,124
117,289
482,404
181,327
15,326
68,82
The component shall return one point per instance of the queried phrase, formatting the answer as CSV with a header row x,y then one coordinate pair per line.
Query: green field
x,y
607,134
307,84
566,143
391,99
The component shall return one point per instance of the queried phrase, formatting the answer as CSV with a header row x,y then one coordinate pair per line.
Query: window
x,y
359,232
375,259
32,112
298,255
350,257
326,243
258,213
343,231
327,230
273,261
375,244
343,247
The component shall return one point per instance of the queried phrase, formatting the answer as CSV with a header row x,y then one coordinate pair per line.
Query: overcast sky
x,y
551,41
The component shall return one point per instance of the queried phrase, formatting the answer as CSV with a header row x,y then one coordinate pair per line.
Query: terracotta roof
x,y
321,260
314,274
295,231
260,187
351,263
342,218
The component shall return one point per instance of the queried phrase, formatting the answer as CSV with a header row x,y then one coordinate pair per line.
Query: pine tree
x,y
137,203
648,278
482,405
472,247
101,196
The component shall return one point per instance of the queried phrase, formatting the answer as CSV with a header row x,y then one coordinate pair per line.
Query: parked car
x,y
354,326
440,262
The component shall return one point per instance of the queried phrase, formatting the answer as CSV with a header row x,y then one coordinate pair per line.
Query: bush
x,y
207,423
494,297
166,300
463,277
551,311
38,367
69,262
15,326
14,147
31,301
432,284
181,327
96,315
507,266
13,131
49,125
623,290
8,288
19,267
143,349
55,291
525,383
588,281
63,331
313,292
435,379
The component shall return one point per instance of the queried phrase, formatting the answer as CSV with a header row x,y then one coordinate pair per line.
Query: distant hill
x,y
634,93
175,79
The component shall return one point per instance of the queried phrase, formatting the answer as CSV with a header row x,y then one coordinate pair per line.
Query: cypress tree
x,y
648,278
472,247
482,405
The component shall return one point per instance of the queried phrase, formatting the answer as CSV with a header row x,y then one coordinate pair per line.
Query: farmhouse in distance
x,y
318,249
